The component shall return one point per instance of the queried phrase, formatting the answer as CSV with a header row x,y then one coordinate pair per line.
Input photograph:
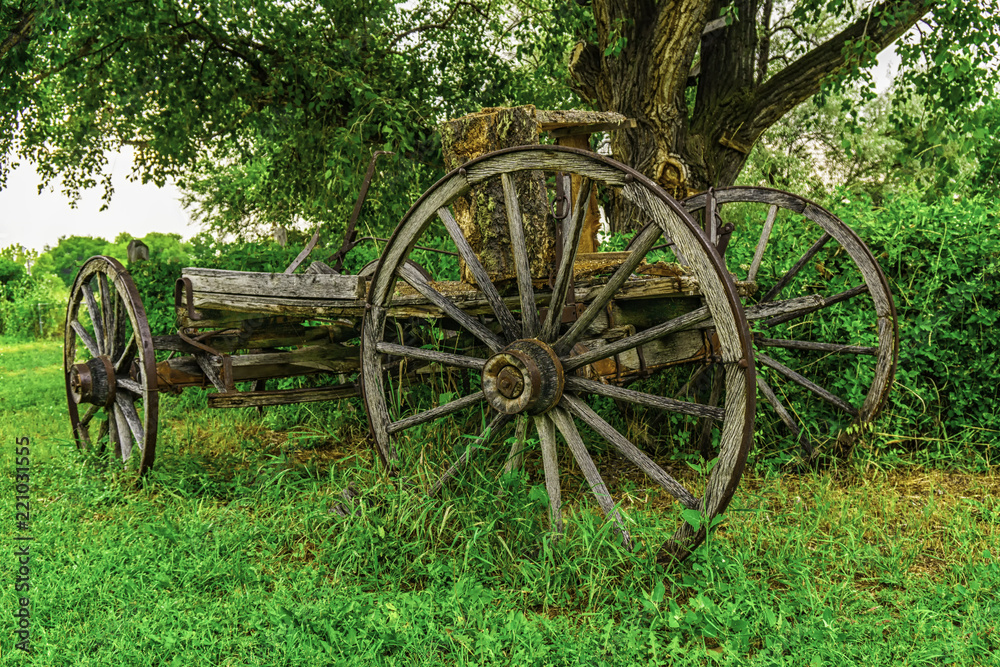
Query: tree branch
x,y
395,39
794,84
21,33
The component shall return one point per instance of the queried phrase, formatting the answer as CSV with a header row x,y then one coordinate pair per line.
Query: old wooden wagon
x,y
530,335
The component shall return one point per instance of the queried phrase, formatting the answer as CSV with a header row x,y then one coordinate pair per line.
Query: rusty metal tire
x,y
853,323
109,367
523,359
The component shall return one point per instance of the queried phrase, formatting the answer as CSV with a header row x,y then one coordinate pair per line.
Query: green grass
x,y
229,555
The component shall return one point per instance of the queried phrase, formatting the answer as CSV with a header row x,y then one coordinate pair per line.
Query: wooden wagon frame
x,y
537,327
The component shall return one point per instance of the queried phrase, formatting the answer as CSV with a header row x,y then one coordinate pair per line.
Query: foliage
x,y
267,112
65,259
33,306
943,264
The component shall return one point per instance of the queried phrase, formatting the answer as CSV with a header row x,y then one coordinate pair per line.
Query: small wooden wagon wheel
x,y
110,367
522,356
822,316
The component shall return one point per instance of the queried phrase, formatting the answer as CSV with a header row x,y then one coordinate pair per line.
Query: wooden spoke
x,y
470,324
785,279
711,225
88,342
435,413
836,348
765,234
126,407
686,388
583,411
564,273
821,303
785,415
808,384
512,184
775,403
597,486
127,355
96,318
91,411
106,307
114,438
648,238
794,307
550,463
472,447
131,385
629,342
705,425
446,358
529,311
585,386
119,319
516,457
124,433
511,329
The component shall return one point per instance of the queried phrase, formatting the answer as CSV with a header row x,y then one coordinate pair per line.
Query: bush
x,y
33,306
943,265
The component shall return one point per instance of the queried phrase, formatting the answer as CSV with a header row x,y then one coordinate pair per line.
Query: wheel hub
x,y
93,382
525,377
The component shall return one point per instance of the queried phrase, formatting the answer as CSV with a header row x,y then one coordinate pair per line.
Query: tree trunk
x,y
482,215
644,61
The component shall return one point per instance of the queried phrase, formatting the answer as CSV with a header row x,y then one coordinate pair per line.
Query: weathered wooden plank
x,y
186,372
315,286
268,335
247,399
585,121
251,305
639,338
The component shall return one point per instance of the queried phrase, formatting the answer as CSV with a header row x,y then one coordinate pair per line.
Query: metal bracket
x,y
185,284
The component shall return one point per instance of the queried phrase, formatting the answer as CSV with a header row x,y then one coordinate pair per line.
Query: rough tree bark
x,y
734,101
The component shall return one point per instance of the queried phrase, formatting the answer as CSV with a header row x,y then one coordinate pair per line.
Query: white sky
x,y
37,220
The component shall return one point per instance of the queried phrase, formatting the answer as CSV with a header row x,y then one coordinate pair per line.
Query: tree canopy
x,y
266,112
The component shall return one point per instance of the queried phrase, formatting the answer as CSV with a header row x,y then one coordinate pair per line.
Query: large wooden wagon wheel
x,y
109,365
509,354
822,316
